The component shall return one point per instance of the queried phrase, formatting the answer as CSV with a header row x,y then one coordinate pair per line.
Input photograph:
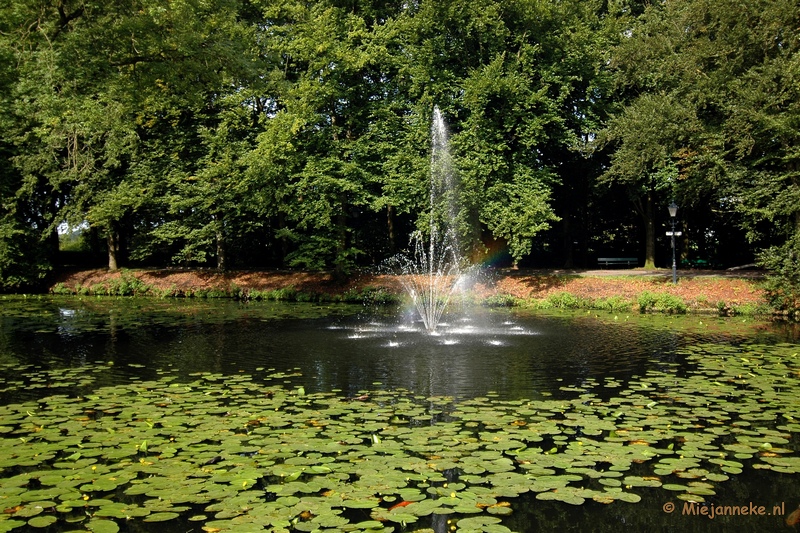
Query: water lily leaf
x,y
562,496
368,525
161,517
42,521
102,526
9,525
400,517
638,481
476,523
499,509
629,497
788,465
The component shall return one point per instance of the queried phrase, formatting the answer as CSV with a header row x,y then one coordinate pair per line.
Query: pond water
x,y
624,381
350,348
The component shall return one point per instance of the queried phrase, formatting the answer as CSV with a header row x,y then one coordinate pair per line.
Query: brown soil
x,y
697,289
700,289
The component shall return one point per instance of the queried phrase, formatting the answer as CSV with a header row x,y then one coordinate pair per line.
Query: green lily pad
x,y
102,526
11,524
161,517
42,521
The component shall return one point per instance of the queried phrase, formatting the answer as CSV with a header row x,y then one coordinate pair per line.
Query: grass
x,y
645,301
128,285
662,302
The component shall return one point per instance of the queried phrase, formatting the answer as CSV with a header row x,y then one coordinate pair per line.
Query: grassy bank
x,y
128,283
644,302
624,292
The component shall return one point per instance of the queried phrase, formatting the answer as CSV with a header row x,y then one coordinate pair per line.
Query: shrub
x,y
501,300
301,296
283,294
367,296
646,301
565,300
237,292
379,296
614,304
782,285
60,288
748,309
665,303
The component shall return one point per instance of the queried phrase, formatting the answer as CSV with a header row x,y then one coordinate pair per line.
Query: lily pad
x,y
42,521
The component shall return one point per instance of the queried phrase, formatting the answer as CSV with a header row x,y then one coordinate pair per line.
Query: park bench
x,y
617,261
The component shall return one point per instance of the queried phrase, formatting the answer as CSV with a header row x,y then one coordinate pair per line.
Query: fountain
x,y
435,268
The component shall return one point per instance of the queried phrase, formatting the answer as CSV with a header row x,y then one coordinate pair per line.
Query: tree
x,y
96,81
649,132
706,80
511,77
311,156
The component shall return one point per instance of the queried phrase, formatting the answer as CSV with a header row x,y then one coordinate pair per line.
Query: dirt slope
x,y
696,288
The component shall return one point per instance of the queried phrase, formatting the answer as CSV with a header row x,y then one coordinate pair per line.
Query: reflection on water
x,y
502,354
338,348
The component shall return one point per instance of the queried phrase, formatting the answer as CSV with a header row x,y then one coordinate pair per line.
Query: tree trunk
x,y
112,240
391,229
650,233
222,259
341,239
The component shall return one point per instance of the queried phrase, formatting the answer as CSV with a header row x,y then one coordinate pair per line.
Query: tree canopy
x,y
279,133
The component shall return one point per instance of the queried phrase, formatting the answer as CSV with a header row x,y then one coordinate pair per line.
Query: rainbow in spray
x,y
435,268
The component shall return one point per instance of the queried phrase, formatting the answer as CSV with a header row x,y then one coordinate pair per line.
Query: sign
x,y
674,233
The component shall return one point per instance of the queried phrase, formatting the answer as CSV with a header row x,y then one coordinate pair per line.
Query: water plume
x,y
434,269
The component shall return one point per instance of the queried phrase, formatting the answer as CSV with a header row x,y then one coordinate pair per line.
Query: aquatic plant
x,y
237,453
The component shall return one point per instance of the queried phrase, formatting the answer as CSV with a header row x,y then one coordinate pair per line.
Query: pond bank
x,y
696,291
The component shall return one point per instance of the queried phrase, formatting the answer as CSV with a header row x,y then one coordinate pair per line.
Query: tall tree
x,y
311,155
650,131
725,76
509,75
97,79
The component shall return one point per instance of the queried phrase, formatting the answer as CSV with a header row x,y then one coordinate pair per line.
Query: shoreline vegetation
x,y
701,292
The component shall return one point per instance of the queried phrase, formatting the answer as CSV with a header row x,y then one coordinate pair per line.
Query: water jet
x,y
435,268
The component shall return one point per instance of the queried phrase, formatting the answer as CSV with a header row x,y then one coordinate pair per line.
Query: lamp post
x,y
673,210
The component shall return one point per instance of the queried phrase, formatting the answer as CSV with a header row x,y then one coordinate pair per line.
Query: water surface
x,y
351,350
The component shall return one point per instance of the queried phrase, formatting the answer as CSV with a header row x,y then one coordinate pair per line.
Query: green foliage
x,y
24,262
661,302
501,300
566,300
371,296
72,242
709,101
284,133
125,285
783,284
725,309
282,294
614,304
517,212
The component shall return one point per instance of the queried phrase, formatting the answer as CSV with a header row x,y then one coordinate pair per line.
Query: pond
x,y
200,415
